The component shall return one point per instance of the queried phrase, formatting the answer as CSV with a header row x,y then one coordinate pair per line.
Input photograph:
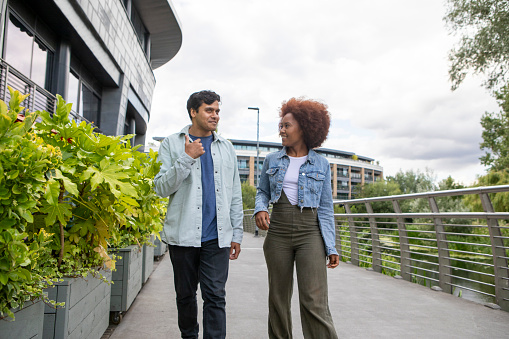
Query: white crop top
x,y
291,180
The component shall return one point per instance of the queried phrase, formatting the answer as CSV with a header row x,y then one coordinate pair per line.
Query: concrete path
x,y
364,304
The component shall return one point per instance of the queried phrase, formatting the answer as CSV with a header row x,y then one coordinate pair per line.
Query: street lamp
x,y
257,143
257,151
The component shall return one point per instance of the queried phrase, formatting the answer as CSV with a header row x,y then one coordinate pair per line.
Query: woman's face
x,y
290,132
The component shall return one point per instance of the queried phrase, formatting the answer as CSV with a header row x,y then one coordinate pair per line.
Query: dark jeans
x,y
207,265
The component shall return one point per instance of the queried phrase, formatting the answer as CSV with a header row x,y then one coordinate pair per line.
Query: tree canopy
x,y
483,47
495,135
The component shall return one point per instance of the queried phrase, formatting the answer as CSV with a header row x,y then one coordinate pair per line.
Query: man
x,y
203,224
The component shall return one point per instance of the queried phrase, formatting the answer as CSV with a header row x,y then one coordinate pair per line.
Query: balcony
x,y
39,98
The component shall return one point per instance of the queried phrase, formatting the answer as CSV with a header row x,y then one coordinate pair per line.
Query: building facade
x,y
347,169
98,55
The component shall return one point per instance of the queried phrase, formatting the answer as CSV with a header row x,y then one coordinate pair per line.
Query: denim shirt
x,y
314,190
180,179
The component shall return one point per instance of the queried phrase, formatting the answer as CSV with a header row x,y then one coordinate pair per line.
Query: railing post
x,y
339,248
354,241
499,255
444,263
403,243
375,241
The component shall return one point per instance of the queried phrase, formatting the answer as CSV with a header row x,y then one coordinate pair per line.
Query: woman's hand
x,y
262,220
333,261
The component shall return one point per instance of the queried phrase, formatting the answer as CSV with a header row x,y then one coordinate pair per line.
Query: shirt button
x,y
302,187
303,173
301,200
220,228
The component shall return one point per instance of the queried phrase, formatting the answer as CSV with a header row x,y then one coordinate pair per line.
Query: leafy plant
x,y
25,260
67,194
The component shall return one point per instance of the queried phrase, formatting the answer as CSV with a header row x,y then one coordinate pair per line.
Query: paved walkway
x,y
364,304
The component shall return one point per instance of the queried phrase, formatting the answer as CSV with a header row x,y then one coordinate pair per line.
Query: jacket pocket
x,y
272,174
315,181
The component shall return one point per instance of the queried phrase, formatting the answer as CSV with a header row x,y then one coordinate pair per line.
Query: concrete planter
x,y
127,280
160,248
28,324
148,260
86,311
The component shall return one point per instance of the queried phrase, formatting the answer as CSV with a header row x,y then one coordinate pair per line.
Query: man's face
x,y
206,119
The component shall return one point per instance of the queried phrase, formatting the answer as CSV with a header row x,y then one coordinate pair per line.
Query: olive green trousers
x,y
294,240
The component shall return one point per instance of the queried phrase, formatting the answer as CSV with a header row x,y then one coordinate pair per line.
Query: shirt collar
x,y
311,155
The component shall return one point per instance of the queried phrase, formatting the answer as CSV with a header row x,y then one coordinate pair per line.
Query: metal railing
x,y
463,253
39,98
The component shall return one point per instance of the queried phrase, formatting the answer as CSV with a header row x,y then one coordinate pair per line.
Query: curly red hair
x,y
313,118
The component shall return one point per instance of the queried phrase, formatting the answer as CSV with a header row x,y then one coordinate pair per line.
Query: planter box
x,y
160,248
86,311
127,278
148,261
28,324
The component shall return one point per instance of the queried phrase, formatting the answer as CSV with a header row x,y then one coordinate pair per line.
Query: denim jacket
x,y
314,190
180,180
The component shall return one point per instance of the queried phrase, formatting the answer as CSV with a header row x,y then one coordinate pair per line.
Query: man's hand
x,y
333,261
234,250
194,149
262,220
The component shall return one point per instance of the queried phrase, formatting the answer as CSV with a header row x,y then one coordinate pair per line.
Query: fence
x,y
456,251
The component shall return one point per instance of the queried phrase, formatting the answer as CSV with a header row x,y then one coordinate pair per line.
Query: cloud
x,y
380,66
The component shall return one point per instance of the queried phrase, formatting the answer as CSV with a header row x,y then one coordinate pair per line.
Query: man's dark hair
x,y
198,98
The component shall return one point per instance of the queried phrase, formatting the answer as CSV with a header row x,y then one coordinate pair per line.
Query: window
x,y
342,172
141,30
84,101
242,163
27,53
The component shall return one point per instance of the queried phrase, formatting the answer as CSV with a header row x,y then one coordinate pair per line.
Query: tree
x,y
484,43
496,134
378,189
500,201
248,195
414,182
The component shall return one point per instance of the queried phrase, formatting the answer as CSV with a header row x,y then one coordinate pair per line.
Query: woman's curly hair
x,y
313,118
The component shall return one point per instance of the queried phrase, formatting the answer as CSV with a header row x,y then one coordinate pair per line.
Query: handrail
x,y
463,253
435,194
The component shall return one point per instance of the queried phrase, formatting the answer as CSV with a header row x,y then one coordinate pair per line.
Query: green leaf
x,y
52,192
26,215
3,278
60,211
68,184
7,223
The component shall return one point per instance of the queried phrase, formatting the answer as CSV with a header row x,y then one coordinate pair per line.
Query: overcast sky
x,y
381,67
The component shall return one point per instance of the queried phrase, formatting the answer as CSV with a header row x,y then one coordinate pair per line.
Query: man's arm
x,y
173,170
236,212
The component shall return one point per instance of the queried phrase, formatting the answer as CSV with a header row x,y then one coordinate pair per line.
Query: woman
x,y
297,181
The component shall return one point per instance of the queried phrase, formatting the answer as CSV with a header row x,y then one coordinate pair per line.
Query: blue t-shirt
x,y
209,217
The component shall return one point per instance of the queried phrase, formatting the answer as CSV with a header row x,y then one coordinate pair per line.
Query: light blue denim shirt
x,y
180,180
314,190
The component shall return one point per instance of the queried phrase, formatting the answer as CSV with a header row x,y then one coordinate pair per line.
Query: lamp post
x,y
257,142
257,151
